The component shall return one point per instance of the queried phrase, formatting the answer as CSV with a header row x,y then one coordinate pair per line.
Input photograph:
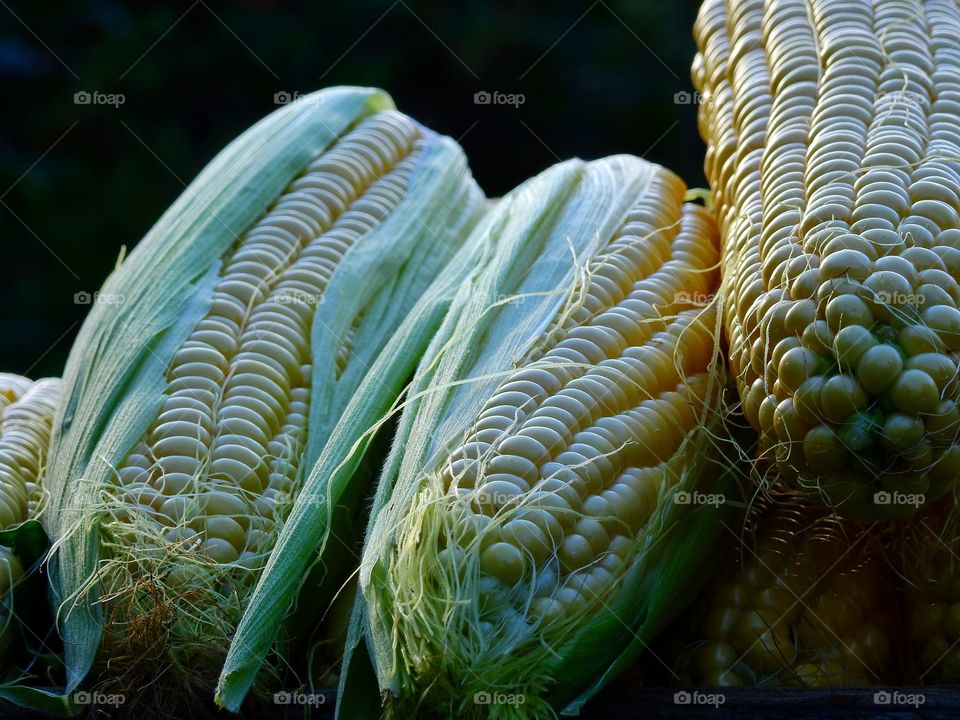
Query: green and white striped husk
x,y
116,373
414,635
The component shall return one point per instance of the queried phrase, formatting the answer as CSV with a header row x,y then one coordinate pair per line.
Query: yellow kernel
x,y
806,399
818,337
797,365
823,449
902,432
719,623
546,611
220,550
494,495
502,561
878,367
841,396
715,657
528,538
575,552
850,344
915,392
845,310
942,368
945,321
917,339
226,529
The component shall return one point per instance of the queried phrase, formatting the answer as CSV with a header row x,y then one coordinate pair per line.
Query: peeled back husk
x,y
533,526
205,382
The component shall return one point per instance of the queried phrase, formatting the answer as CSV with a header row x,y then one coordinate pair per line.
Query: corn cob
x,y
249,316
833,138
927,551
26,414
560,410
803,598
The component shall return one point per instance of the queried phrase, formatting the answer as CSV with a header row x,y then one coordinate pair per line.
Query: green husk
x,y
539,239
309,528
31,653
115,376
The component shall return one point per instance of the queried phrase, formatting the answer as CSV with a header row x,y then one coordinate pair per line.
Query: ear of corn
x,y
311,534
26,416
526,512
833,143
198,401
927,552
803,598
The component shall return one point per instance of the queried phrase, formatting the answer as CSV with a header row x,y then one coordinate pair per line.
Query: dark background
x,y
77,182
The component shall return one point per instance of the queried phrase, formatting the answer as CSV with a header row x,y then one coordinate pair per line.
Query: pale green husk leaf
x,y
538,241
116,372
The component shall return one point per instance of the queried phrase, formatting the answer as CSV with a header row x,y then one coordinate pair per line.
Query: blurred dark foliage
x,y
77,182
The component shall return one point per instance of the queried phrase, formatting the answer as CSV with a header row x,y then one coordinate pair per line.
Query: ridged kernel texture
x,y
802,599
220,466
833,134
572,454
26,417
931,588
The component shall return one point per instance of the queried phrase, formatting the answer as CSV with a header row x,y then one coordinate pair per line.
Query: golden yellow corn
x,y
198,400
26,416
927,553
803,598
833,134
223,456
553,440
